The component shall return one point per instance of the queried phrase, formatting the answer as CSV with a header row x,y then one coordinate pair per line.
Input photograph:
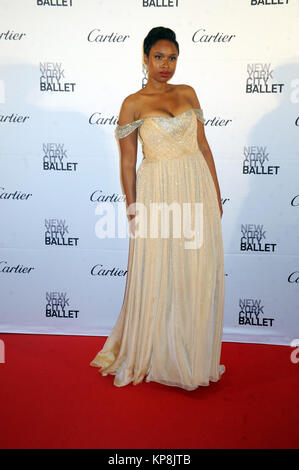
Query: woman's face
x,y
162,60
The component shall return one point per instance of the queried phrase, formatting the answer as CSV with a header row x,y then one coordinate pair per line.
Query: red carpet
x,y
51,398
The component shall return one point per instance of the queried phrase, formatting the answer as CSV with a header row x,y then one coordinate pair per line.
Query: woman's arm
x,y
204,147
128,147
206,151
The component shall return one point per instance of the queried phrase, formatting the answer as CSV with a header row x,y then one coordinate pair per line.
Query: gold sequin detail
x,y
123,131
126,129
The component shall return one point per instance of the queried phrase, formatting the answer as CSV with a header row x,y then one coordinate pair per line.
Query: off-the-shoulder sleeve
x,y
123,131
199,115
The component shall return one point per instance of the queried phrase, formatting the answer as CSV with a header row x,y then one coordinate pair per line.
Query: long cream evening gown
x,y
170,326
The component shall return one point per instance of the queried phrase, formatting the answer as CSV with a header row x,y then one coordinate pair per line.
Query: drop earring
x,y
145,75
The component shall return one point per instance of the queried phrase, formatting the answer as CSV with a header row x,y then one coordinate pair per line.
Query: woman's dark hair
x,y
155,35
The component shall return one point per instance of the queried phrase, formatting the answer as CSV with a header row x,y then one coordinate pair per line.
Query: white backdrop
x,y
66,67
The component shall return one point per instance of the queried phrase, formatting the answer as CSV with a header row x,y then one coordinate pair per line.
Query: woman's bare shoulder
x,y
130,106
188,89
185,92
129,101
191,95
128,110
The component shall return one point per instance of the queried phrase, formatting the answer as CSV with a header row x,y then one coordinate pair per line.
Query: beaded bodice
x,y
163,137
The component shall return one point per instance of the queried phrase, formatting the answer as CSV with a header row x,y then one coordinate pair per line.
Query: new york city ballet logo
x,y
56,233
58,306
269,2
182,221
260,79
55,158
254,239
52,78
55,3
160,3
256,160
252,313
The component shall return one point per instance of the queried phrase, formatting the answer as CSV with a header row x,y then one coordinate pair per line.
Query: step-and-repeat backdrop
x,y
66,66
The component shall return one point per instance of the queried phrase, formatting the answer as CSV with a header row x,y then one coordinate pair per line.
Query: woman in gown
x,y
170,326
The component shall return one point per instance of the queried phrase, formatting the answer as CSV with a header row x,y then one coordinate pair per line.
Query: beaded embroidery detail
x,y
126,129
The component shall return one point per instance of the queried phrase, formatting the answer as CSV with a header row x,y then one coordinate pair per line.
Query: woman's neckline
x,y
161,117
